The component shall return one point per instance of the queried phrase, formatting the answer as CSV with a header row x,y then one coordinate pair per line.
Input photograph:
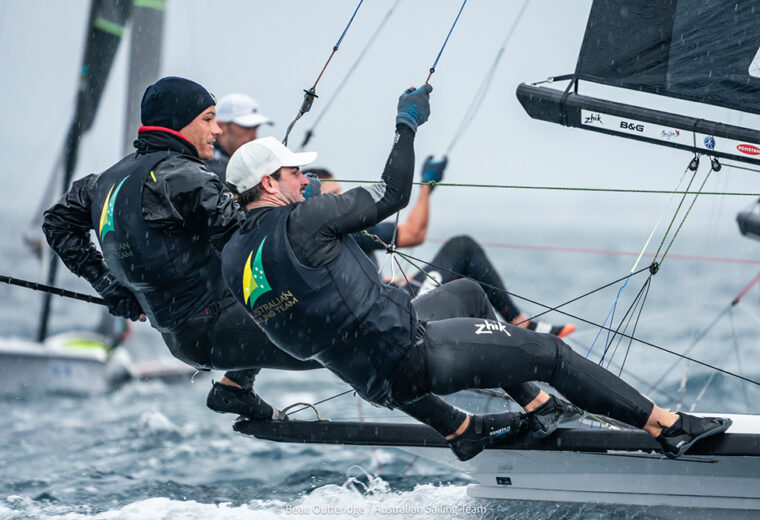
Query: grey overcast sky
x,y
274,49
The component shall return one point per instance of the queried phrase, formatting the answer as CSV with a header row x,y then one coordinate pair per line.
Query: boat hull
x,y
28,368
643,479
574,465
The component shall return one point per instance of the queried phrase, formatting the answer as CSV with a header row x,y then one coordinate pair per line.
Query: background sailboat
x,y
82,362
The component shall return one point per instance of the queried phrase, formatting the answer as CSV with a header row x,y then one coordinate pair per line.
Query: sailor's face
x,y
291,185
202,132
236,136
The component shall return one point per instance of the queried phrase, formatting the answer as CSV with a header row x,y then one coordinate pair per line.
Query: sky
x,y
274,50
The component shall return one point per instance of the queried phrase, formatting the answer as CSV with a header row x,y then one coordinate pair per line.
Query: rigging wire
x,y
480,94
435,63
653,268
704,332
628,315
684,219
392,248
558,188
738,364
633,332
311,94
741,167
310,132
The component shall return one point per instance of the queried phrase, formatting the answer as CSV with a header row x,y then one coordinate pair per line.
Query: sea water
x,y
152,450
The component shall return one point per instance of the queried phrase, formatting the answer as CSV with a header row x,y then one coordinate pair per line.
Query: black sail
x,y
707,51
700,50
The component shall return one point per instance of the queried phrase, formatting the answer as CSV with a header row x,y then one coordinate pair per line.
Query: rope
x,y
684,219
480,94
52,290
653,268
628,314
432,69
741,167
312,406
560,188
701,335
310,131
311,94
584,250
643,300
675,214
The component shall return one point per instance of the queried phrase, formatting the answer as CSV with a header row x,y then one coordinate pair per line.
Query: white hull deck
x,y
721,473
615,477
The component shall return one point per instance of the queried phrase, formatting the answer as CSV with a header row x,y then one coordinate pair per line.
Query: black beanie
x,y
174,102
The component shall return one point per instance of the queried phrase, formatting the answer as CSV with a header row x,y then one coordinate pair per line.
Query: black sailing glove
x,y
432,172
119,299
414,106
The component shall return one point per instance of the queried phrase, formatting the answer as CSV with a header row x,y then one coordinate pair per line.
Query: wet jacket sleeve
x,y
317,226
187,197
67,228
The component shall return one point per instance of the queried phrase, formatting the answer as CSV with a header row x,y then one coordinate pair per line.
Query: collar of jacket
x,y
157,139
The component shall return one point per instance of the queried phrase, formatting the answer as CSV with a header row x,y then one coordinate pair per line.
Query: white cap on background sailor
x,y
240,109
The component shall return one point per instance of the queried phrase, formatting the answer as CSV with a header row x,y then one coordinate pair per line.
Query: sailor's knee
x,y
468,289
461,243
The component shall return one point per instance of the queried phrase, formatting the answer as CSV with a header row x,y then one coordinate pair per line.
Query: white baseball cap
x,y
241,110
262,157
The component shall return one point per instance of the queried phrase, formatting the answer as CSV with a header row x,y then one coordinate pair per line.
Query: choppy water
x,y
152,450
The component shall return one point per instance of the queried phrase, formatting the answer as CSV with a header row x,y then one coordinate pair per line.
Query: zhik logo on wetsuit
x,y
106,215
254,279
488,326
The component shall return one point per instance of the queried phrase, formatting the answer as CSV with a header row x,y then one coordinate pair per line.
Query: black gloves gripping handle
x,y
120,300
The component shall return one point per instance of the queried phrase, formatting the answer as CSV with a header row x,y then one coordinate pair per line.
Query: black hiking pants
x,y
460,353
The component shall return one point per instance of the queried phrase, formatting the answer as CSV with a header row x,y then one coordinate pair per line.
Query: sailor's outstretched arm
x,y
67,226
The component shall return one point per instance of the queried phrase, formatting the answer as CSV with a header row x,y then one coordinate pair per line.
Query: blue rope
x,y
610,316
432,69
347,26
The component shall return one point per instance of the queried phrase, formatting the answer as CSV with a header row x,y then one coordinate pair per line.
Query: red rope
x,y
746,290
607,252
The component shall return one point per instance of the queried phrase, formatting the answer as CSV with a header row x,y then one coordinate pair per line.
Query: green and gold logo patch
x,y
254,279
106,216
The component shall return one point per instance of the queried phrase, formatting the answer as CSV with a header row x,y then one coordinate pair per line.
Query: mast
x,y
147,29
104,31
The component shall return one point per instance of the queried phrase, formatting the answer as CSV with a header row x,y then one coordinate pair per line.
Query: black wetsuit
x,y
170,219
460,255
317,296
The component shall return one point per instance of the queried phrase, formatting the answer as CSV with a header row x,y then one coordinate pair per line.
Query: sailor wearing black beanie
x,y
174,102
161,218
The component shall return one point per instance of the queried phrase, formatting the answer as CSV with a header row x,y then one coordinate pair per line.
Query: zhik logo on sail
x,y
489,326
106,215
254,279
